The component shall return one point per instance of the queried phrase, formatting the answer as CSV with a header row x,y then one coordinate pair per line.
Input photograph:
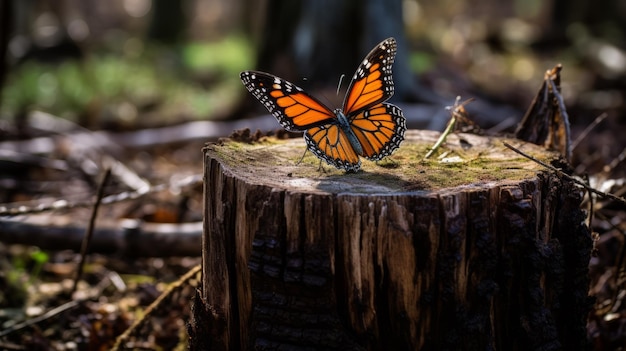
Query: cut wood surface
x,y
477,249
471,161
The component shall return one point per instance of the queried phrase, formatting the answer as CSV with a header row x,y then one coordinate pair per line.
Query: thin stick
x,y
53,312
589,128
564,175
154,305
616,161
455,115
89,232
442,137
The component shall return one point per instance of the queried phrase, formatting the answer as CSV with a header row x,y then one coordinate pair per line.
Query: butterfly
x,y
365,125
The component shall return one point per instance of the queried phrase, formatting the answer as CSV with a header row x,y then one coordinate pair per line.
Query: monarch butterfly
x,y
365,126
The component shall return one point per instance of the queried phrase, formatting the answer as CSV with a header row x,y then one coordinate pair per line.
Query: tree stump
x,y
480,250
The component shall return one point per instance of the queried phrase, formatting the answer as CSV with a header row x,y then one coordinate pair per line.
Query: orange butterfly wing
x,y
294,109
380,130
332,145
372,83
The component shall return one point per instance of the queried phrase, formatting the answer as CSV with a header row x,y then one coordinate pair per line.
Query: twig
x,y
32,160
89,233
616,161
11,347
565,175
59,309
154,306
53,312
124,174
589,128
455,115
442,137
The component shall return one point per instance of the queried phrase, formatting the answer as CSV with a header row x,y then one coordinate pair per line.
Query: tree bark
x,y
490,252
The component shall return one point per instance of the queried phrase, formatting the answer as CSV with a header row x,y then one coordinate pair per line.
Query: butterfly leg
x,y
302,158
321,168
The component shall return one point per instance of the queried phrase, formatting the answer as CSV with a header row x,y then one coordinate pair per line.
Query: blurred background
x,y
140,63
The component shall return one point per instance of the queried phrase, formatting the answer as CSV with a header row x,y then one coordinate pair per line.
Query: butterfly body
x,y
365,126
344,124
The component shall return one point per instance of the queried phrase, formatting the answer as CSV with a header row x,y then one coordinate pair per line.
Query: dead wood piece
x,y
114,142
546,121
130,237
490,252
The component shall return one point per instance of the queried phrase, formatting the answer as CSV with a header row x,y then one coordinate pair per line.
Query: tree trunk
x,y
479,250
299,40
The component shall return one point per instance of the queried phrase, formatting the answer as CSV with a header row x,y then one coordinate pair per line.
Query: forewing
x,y
372,82
380,130
294,109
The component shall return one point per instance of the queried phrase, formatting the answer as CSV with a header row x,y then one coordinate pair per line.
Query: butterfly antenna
x,y
339,85
302,158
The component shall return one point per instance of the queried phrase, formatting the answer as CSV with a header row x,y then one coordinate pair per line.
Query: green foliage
x,y
229,56
421,61
39,258
29,263
18,274
100,84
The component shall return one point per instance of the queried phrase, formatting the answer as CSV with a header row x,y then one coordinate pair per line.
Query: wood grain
x,y
482,250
